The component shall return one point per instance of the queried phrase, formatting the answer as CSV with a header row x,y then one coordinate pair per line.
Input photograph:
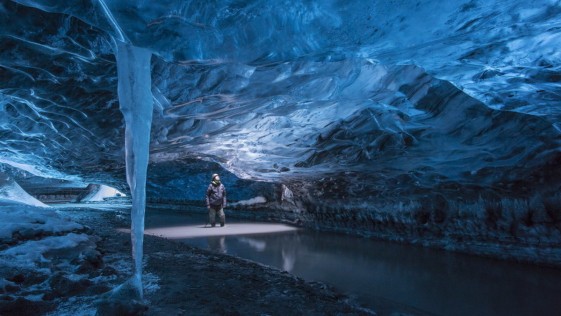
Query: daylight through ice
x,y
135,99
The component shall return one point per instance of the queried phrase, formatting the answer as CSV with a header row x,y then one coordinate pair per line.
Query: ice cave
x,y
383,157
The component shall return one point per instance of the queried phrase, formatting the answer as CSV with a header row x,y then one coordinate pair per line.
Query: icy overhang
x,y
288,91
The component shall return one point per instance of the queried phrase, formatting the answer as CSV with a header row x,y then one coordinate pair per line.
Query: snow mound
x,y
10,190
100,192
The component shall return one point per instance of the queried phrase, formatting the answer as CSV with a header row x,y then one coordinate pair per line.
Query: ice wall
x,y
268,89
135,100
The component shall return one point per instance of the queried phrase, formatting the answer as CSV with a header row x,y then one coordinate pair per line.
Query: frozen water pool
x,y
387,277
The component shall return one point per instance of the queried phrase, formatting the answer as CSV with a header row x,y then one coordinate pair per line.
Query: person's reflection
x,y
289,244
288,259
286,243
217,244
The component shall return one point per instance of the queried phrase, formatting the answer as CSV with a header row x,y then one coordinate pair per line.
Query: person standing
x,y
216,200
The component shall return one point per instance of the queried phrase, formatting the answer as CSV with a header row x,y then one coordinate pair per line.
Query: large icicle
x,y
135,99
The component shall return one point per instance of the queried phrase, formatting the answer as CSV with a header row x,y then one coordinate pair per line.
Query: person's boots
x,y
212,220
222,220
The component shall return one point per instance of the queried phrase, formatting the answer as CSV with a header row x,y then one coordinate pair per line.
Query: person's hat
x,y
214,176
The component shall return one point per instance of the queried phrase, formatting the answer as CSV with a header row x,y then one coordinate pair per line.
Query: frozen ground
x,y
68,261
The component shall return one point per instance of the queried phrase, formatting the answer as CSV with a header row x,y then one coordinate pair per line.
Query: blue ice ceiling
x,y
397,100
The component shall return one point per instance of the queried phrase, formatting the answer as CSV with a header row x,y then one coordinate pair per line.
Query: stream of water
x,y
390,278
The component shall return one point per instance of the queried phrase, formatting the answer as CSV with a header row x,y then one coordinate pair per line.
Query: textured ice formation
x,y
408,114
269,111
135,100
11,191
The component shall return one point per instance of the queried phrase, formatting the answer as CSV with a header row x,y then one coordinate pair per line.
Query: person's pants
x,y
212,211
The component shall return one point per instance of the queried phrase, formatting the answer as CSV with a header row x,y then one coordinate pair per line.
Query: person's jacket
x,y
216,195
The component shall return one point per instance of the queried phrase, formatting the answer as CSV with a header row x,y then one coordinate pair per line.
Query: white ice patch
x,y
252,201
102,193
150,282
33,252
10,190
27,219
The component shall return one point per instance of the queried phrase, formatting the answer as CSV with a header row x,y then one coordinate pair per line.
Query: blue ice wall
x,y
186,181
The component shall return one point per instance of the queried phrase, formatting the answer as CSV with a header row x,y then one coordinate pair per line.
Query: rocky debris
x,y
46,261
178,280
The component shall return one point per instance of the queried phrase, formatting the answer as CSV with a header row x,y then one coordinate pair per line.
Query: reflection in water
x,y
288,250
254,243
289,247
288,260
217,244
392,278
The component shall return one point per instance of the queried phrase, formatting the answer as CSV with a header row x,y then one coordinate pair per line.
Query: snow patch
x,y
29,220
34,252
